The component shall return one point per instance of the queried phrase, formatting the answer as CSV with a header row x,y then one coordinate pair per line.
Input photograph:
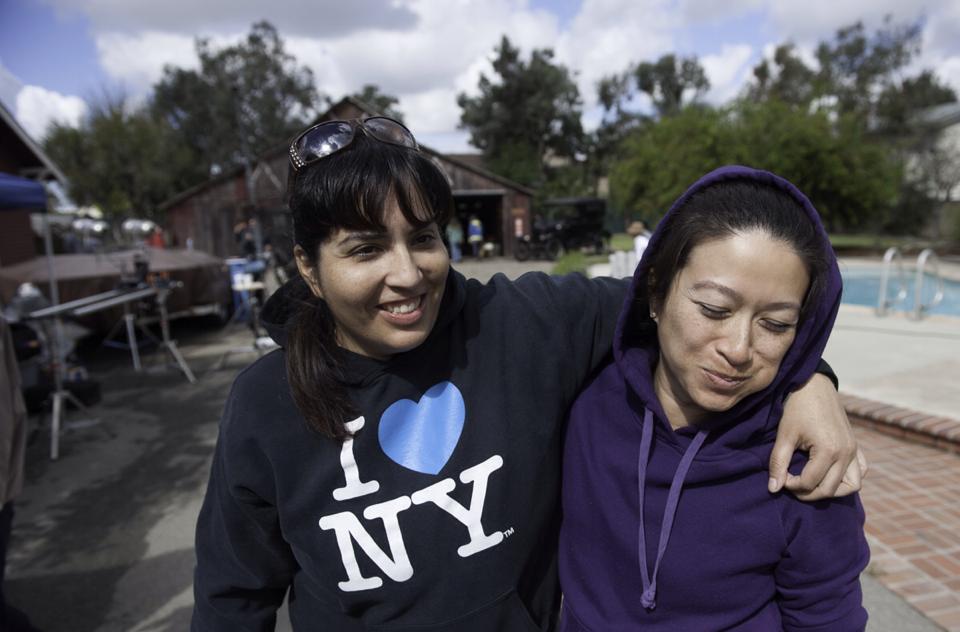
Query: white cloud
x,y
137,60
941,45
942,33
37,108
695,11
428,67
814,20
727,71
608,36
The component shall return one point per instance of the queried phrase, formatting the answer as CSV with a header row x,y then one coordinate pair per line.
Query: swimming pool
x,y
861,286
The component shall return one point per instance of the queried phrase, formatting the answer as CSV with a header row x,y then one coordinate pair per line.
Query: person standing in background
x,y
641,237
475,235
455,239
13,445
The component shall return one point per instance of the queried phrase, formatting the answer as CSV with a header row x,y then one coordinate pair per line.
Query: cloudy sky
x,y
55,55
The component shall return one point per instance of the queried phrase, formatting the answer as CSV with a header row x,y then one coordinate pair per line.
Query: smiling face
x,y
728,319
383,288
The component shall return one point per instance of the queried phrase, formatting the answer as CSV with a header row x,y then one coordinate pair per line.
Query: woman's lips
x,y
403,312
722,382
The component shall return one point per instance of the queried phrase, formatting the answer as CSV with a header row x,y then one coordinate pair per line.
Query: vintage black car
x,y
564,224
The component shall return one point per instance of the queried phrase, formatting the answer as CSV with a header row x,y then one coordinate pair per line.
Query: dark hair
x,y
718,211
348,189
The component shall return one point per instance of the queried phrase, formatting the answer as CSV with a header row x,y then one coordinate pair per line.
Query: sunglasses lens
x,y
390,131
324,140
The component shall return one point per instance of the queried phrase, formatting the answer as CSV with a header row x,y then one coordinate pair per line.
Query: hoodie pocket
x,y
505,614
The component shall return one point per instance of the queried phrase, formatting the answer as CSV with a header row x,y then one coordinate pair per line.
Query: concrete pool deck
x,y
895,360
912,364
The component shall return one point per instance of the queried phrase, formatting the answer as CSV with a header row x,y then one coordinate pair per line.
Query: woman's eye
x,y
425,239
712,312
365,252
777,326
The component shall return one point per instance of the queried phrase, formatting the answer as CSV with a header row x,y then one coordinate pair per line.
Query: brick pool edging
x,y
932,430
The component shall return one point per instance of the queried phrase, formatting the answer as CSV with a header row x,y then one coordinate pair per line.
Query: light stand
x,y
169,344
59,361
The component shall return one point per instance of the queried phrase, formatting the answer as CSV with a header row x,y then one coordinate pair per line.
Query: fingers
x,y
842,478
780,457
814,472
826,488
853,477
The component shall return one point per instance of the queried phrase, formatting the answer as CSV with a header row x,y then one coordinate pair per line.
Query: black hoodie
x,y
442,512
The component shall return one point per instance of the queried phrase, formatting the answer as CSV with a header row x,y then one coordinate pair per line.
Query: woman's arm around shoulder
x,y
585,310
814,420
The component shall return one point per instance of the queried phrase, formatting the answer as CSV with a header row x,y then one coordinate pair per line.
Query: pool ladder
x,y
893,257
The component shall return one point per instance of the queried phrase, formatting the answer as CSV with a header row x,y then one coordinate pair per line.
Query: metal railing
x,y
890,258
919,307
893,257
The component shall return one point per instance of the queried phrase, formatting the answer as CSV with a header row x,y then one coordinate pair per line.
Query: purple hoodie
x,y
675,530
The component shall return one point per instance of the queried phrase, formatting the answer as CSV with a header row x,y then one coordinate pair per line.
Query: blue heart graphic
x,y
421,435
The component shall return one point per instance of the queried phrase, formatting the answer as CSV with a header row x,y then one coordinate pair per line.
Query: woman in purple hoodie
x,y
666,521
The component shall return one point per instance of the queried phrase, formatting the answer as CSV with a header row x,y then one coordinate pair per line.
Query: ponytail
x,y
315,371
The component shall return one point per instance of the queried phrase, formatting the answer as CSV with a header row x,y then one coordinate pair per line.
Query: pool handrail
x,y
892,255
927,256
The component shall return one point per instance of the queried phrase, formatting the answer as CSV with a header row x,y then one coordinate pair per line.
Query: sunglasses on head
x,y
329,137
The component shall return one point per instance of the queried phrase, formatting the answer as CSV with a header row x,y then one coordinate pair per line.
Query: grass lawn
x,y
869,241
578,262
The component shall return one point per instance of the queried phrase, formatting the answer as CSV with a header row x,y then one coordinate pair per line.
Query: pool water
x,y
861,286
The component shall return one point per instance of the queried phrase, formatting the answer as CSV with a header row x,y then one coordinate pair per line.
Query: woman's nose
x,y
736,345
404,270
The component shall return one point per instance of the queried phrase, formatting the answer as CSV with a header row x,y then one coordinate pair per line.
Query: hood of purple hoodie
x,y
756,416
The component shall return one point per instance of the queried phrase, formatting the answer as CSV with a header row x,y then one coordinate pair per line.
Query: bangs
x,y
352,188
363,206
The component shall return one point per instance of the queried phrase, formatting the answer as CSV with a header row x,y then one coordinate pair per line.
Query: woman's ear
x,y
652,296
308,270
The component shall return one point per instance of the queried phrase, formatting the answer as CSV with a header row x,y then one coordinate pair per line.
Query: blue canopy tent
x,y
21,193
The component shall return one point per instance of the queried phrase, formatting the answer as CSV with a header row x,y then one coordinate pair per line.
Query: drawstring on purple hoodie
x,y
649,597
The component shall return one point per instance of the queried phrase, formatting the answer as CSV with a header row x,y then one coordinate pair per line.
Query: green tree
x,y
901,103
859,74
851,178
525,117
788,80
855,67
243,100
385,104
615,93
661,158
120,159
670,82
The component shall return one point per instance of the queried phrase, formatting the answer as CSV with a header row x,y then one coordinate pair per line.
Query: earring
x,y
653,316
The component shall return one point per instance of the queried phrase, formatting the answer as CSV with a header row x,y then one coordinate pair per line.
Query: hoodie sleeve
x,y
585,311
244,566
818,578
